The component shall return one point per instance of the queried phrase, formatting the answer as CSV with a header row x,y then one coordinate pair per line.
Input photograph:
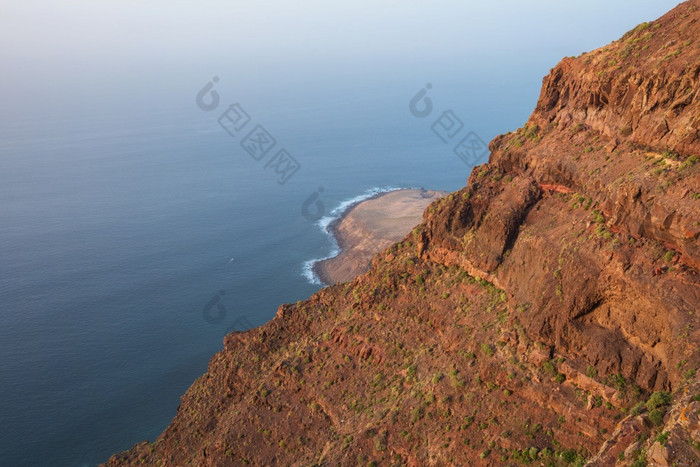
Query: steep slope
x,y
547,312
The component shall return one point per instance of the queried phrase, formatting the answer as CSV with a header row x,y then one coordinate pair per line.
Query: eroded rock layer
x,y
546,313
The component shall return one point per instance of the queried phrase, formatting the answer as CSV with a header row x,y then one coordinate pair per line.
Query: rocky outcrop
x,y
642,88
547,312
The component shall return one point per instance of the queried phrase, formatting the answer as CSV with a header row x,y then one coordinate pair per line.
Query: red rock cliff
x,y
547,312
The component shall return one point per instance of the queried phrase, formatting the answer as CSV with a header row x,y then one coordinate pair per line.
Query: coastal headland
x,y
370,226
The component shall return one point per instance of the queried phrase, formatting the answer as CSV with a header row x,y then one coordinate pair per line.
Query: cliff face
x,y
546,312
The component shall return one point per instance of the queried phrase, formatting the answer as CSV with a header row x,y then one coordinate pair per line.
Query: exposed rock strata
x,y
542,313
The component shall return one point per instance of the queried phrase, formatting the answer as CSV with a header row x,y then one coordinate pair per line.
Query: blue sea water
x,y
135,231
121,223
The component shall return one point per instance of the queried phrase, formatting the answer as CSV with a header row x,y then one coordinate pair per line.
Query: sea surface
x,y
135,233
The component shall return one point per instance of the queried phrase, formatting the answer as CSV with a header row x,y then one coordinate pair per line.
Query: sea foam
x,y
336,213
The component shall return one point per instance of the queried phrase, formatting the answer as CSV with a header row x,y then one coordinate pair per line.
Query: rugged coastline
x,y
544,314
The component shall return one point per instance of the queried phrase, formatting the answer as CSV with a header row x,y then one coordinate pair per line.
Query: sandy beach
x,y
371,226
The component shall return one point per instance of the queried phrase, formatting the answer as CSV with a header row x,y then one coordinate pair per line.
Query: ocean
x,y
167,173
137,230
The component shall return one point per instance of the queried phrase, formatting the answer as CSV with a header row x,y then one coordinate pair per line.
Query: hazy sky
x,y
47,46
77,30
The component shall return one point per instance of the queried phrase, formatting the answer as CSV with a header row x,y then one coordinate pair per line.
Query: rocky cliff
x,y
547,313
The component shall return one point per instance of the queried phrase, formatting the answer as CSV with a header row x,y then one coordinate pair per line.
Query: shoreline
x,y
336,215
340,242
366,227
